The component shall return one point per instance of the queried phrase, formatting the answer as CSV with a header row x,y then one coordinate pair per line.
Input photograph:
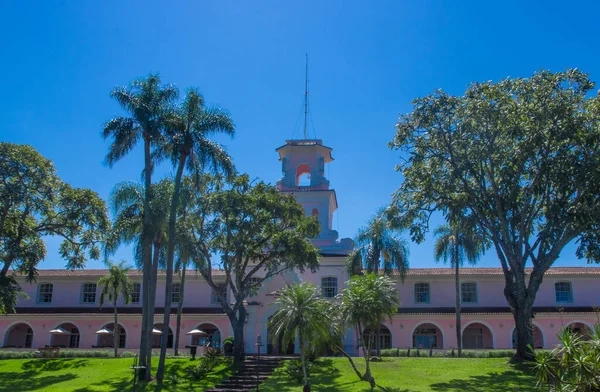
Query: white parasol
x,y
59,331
104,331
196,331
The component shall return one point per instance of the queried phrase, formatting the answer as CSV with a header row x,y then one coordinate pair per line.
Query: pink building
x,y
425,319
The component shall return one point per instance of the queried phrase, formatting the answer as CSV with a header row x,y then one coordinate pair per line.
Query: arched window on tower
x,y
303,175
315,213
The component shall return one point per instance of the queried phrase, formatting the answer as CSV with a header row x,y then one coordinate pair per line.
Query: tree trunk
x,y
522,316
237,322
180,308
160,372
146,373
116,328
378,340
303,360
152,300
458,295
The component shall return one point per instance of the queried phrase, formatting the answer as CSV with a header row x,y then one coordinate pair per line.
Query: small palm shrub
x,y
293,369
572,366
205,365
212,352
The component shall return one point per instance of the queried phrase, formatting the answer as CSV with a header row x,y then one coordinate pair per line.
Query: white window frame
x,y
428,293
176,294
325,287
39,288
83,293
137,292
570,301
476,291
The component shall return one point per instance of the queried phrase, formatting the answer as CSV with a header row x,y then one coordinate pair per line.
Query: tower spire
x,y
306,97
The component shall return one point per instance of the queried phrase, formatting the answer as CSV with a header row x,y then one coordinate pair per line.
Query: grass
x,y
413,374
94,374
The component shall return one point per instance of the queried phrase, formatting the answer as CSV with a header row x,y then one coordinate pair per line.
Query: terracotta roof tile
x,y
498,271
98,272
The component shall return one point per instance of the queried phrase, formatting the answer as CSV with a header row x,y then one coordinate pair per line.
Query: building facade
x,y
68,301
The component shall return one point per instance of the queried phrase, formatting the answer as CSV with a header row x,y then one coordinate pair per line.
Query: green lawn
x,y
91,374
413,374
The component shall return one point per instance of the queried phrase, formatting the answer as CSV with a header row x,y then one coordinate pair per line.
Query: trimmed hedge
x,y
425,353
66,354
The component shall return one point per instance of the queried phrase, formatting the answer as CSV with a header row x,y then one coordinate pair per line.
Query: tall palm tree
x,y
147,102
113,285
362,305
304,314
455,245
188,134
378,246
127,203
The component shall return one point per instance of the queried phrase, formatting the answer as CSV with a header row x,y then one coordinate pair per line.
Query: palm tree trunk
x,y
152,300
170,258
303,360
145,373
458,296
116,327
180,308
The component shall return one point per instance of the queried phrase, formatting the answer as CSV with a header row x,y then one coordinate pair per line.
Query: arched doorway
x,y
477,336
581,329
212,337
157,338
538,337
385,338
70,339
427,335
108,340
19,336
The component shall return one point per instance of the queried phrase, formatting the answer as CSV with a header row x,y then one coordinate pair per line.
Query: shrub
x,y
398,352
572,366
228,340
212,352
293,368
66,354
205,365
173,378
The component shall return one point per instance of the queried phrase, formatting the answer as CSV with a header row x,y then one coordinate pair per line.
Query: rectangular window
x,y
88,293
175,292
45,293
329,287
136,293
422,293
468,293
217,298
563,292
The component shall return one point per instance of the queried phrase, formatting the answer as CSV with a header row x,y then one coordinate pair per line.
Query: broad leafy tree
x,y
522,157
378,247
454,244
362,305
258,232
304,314
147,103
116,283
188,133
35,203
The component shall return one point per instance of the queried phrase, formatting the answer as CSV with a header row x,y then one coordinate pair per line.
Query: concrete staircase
x,y
249,373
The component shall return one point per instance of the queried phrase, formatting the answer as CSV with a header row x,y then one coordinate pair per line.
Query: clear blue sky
x,y
368,60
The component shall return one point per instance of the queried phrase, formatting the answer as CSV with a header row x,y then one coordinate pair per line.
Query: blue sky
x,y
368,60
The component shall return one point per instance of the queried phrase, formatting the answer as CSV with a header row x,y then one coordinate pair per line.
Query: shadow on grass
x,y
519,378
27,381
322,376
52,365
126,383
